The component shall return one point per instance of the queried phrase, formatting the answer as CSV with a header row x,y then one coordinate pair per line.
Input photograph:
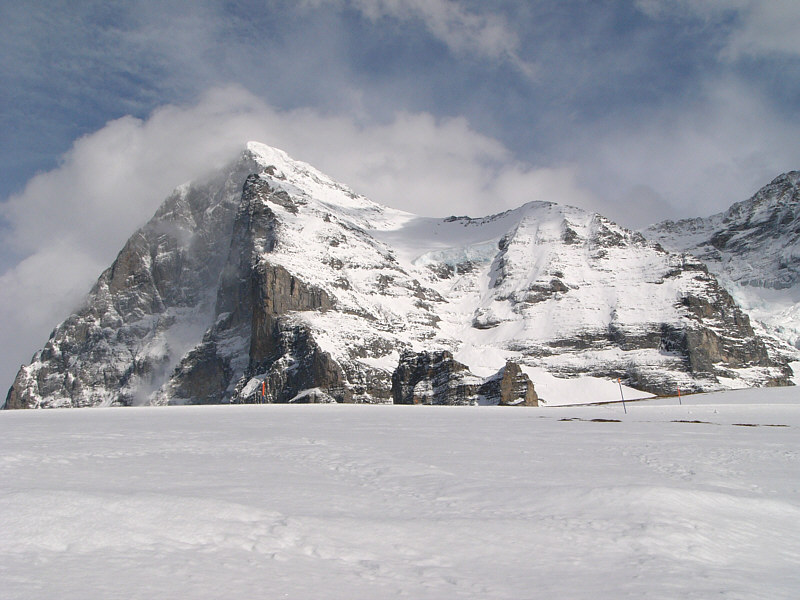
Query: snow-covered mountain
x,y
271,282
754,249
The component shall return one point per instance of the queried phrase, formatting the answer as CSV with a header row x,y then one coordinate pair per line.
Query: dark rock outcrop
x,y
296,365
510,387
437,378
433,378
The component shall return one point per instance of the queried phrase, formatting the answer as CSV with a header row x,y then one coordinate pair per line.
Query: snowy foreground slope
x,y
271,282
351,502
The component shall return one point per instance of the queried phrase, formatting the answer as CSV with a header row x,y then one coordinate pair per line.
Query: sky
x,y
640,110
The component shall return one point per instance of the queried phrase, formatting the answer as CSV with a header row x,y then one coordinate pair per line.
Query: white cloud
x,y
463,31
69,223
761,27
769,27
35,295
689,160
429,167
683,8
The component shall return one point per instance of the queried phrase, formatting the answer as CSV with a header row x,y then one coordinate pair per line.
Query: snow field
x,y
405,502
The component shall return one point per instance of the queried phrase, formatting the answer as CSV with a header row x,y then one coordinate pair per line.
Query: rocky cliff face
x,y
755,242
753,248
146,311
270,282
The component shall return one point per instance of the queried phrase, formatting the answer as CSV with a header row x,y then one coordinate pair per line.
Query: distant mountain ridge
x,y
269,281
755,242
754,247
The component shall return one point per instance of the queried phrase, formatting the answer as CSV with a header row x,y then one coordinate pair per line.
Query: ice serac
x,y
754,248
271,282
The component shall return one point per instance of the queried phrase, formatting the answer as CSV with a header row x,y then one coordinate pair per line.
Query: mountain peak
x,y
301,180
791,177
